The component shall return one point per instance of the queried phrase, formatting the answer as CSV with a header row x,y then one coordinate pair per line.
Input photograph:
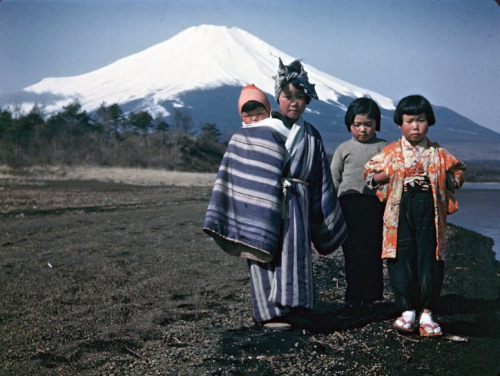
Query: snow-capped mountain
x,y
201,57
202,70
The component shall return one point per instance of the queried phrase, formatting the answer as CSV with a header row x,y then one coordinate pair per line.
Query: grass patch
x,y
134,176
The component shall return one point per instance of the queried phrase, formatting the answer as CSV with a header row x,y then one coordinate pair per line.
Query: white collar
x,y
276,124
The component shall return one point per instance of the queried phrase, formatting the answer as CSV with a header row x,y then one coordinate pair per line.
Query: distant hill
x,y
202,70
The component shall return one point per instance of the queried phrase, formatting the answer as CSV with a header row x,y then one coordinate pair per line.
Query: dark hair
x,y
252,105
414,105
362,106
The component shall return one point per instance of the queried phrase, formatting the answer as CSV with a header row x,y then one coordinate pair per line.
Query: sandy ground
x,y
115,277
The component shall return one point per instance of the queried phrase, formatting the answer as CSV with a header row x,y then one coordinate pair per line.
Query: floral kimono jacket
x,y
442,168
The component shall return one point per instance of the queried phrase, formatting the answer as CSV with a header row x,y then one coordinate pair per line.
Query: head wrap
x,y
253,93
288,73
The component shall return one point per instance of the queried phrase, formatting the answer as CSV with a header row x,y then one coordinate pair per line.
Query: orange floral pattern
x,y
391,160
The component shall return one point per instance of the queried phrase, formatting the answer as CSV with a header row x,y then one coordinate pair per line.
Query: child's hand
x,y
380,178
451,183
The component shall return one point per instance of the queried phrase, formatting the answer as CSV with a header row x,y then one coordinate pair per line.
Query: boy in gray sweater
x,y
363,211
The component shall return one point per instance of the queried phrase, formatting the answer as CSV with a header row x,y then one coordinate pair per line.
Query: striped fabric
x,y
244,213
311,214
314,216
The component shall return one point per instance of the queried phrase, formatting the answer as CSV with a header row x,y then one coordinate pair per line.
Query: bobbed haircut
x,y
362,106
414,105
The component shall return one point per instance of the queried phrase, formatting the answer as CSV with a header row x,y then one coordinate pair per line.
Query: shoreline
x,y
481,185
478,204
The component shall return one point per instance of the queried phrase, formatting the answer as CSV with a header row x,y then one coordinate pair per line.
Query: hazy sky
x,y
447,50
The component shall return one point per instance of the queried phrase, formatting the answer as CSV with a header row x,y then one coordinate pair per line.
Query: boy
x,y
363,211
420,178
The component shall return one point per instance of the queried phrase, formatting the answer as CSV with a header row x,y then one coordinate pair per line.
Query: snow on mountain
x,y
198,58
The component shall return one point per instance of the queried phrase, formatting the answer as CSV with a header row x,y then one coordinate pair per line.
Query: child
x,y
421,178
273,197
362,210
253,104
245,205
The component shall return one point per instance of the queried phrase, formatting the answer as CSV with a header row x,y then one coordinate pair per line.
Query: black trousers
x,y
416,276
363,247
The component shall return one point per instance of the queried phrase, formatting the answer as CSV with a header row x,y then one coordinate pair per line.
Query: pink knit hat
x,y
253,93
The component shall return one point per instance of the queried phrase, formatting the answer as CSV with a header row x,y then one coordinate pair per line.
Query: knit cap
x,y
253,93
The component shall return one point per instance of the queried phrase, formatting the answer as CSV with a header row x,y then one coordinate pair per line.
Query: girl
x,y
312,213
421,178
362,210
280,175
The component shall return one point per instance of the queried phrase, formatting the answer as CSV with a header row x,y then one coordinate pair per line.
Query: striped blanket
x,y
272,199
245,209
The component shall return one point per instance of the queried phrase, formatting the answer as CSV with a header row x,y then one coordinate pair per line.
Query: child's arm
x,y
337,168
375,171
455,177
380,178
455,172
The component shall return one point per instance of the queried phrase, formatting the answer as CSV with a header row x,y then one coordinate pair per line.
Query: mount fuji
x,y
202,70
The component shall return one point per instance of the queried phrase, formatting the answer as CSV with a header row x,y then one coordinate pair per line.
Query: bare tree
x,y
182,124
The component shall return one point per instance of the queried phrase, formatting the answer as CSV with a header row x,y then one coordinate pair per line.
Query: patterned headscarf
x,y
288,73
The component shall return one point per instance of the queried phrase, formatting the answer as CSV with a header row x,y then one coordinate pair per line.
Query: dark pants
x,y
416,275
363,248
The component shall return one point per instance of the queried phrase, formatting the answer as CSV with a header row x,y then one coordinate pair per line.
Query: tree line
x,y
107,137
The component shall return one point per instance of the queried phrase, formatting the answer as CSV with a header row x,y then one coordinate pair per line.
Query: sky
x,y
446,50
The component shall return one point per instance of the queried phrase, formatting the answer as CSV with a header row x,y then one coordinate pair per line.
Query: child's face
x,y
254,116
414,127
293,102
363,127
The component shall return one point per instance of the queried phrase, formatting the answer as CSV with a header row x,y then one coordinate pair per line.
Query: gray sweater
x,y
348,165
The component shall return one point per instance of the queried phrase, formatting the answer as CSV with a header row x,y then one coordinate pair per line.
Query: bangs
x,y
414,105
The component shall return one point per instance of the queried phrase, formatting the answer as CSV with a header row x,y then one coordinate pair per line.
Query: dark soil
x,y
109,279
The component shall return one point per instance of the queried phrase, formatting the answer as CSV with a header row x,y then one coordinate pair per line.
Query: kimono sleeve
x,y
328,228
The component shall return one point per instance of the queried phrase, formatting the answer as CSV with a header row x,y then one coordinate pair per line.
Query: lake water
x,y
479,208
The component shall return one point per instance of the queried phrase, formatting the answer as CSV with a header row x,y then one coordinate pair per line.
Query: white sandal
x,y
430,330
403,326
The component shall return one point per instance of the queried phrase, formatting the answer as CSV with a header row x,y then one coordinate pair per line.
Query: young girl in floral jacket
x,y
417,179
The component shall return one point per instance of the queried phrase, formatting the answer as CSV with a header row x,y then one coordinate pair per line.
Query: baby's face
x,y
254,116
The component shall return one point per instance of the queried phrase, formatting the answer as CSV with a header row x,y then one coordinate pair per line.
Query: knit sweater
x,y
348,162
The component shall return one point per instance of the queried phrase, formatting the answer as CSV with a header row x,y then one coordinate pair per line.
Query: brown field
x,y
107,272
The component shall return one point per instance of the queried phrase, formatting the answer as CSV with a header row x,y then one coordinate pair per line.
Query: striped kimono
x,y
272,199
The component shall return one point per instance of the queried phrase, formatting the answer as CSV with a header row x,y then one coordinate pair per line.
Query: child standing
x,y
362,210
420,178
273,198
